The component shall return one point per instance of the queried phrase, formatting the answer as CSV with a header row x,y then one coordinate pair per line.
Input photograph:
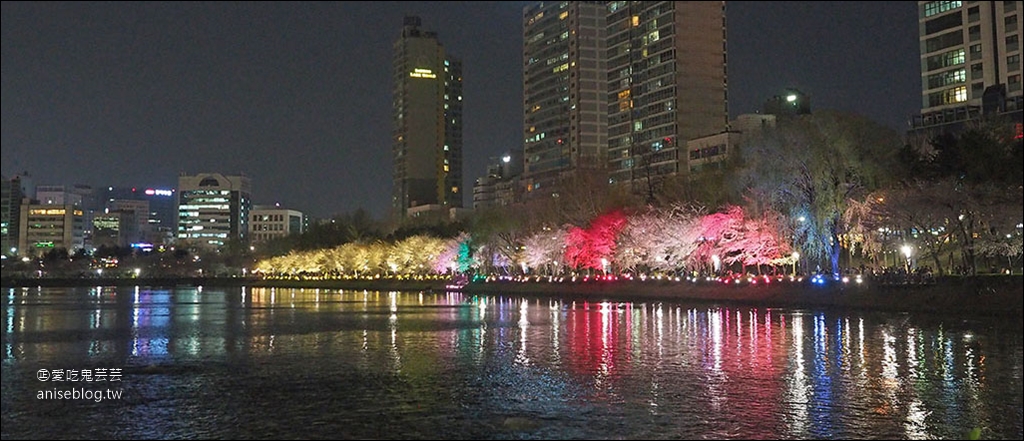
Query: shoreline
x,y
971,296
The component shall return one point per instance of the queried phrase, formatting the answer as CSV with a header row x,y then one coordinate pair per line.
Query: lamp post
x,y
907,251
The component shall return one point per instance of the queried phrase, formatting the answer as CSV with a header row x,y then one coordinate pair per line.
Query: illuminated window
x,y
932,8
624,102
946,78
446,168
636,20
955,95
563,15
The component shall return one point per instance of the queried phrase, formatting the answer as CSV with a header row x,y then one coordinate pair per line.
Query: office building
x,y
213,209
268,222
427,114
48,227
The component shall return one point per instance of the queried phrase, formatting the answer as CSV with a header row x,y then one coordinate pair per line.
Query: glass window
x,y
1013,63
974,33
975,52
977,89
973,15
932,8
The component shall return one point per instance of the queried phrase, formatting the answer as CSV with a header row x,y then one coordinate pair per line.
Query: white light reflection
x,y
524,323
916,425
135,322
396,356
393,306
556,326
659,326
846,345
717,377
890,370
797,393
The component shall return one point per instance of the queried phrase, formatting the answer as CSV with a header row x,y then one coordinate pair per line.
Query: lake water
x,y
294,363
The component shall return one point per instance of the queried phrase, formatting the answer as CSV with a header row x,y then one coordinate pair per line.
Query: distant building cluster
x,y
206,212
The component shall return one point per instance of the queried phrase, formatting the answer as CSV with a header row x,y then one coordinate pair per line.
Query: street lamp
x,y
907,251
137,271
796,257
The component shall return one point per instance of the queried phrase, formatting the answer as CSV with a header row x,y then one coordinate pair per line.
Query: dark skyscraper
x,y
565,114
427,112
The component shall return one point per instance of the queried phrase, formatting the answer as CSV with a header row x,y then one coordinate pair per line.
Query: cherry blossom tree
x,y
544,250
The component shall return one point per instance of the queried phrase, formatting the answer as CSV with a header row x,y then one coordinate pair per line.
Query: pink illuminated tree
x,y
544,250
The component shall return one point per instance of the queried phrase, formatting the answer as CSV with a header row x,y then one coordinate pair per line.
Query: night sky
x,y
298,95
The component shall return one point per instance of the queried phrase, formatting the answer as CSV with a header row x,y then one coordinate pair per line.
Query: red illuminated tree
x,y
584,248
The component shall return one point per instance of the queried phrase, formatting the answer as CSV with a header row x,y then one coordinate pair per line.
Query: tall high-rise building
x,y
666,84
427,113
970,60
565,110
213,209
14,190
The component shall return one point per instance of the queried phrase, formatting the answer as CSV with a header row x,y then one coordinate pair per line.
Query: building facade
x,y
14,190
427,115
269,222
501,186
116,228
213,209
970,61
666,85
163,208
565,114
139,211
47,227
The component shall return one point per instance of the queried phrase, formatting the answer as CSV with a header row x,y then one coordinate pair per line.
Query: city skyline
x,y
298,97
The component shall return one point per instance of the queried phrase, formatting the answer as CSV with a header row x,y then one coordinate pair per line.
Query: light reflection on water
x,y
269,362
